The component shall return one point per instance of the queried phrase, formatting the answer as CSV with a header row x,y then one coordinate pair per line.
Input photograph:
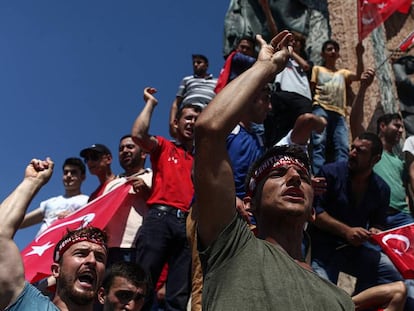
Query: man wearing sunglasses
x,y
124,287
98,158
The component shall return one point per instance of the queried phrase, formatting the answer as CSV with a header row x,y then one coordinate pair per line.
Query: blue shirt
x,y
31,299
244,148
239,64
337,201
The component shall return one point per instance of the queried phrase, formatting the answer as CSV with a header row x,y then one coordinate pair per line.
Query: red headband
x,y
68,242
269,165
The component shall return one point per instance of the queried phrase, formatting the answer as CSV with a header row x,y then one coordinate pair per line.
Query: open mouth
x,y
294,193
87,279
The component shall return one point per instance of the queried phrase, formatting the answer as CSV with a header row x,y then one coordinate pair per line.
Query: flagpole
x,y
400,48
384,61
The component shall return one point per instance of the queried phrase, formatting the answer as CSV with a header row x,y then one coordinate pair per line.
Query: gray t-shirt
x,y
242,272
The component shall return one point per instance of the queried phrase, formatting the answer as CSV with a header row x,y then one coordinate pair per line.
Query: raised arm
x,y
214,183
173,112
304,125
356,118
32,218
269,17
359,50
12,211
142,123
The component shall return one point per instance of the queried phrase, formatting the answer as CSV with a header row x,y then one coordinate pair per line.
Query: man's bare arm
x,y
142,123
356,118
173,112
353,235
12,211
32,218
214,183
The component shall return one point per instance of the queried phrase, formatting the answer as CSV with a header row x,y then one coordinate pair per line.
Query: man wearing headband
x,y
242,272
79,257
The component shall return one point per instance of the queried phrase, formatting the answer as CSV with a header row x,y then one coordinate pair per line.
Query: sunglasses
x,y
92,157
125,296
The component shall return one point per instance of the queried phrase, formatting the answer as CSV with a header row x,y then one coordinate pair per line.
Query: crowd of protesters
x,y
257,202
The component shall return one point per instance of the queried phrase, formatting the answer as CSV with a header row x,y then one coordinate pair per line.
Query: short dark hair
x,y
247,38
196,108
133,272
75,162
201,56
330,41
71,237
125,136
386,119
376,144
293,151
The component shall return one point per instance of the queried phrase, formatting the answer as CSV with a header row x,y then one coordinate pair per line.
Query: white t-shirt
x,y
409,145
294,79
124,232
56,205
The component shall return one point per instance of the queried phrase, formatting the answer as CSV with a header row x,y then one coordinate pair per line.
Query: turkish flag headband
x,y
271,164
64,244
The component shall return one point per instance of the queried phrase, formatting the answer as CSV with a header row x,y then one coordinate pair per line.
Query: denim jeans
x,y
163,239
368,265
336,133
398,219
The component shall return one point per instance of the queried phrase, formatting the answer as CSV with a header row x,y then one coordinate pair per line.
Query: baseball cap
x,y
95,148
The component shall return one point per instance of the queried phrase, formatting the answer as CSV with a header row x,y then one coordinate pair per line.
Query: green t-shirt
x,y
391,168
246,273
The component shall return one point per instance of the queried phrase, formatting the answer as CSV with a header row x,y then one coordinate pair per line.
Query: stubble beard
x,y
67,291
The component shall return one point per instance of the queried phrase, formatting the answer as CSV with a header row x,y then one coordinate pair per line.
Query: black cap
x,y
95,148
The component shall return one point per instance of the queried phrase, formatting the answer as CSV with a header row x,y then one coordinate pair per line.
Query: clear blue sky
x,y
72,74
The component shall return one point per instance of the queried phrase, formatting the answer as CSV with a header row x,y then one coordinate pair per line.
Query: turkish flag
x,y
398,244
372,13
224,76
38,255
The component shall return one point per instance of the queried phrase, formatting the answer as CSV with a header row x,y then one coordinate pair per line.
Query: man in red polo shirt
x,y
163,235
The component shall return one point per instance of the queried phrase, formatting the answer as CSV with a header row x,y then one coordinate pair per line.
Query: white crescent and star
x,y
39,250
398,237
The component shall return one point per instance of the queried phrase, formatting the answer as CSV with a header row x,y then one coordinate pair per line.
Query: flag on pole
x,y
398,244
38,255
224,75
407,42
372,13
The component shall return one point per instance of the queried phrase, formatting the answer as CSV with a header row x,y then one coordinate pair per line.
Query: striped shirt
x,y
197,90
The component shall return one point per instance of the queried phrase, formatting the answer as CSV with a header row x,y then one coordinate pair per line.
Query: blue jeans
x,y
336,132
368,265
398,219
163,239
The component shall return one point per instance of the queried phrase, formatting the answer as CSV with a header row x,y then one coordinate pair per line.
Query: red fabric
x,y
224,73
163,278
171,182
397,244
407,42
372,13
38,255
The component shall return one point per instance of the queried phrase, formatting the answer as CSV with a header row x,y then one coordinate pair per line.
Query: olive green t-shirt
x,y
242,272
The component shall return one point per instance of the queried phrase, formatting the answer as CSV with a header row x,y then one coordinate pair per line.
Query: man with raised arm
x,y
163,232
243,272
79,257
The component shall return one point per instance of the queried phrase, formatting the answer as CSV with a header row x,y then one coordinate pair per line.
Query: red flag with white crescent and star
x,y
372,13
38,255
398,244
